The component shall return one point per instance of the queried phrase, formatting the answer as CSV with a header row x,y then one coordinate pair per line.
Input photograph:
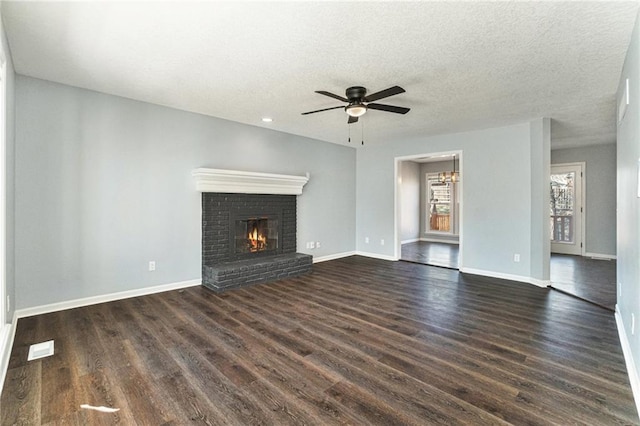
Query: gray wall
x,y
409,201
628,231
600,207
9,176
499,203
103,185
540,181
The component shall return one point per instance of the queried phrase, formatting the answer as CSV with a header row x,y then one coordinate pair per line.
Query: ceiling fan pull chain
x,y
349,127
362,131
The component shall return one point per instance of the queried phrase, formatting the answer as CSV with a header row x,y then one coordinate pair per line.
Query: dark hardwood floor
x,y
590,279
593,280
430,253
357,341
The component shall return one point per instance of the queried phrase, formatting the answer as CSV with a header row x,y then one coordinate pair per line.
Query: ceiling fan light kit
x,y
356,110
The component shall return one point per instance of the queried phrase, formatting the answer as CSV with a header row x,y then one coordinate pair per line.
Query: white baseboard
x,y
6,342
410,240
510,277
333,256
539,283
94,300
439,240
634,379
376,255
601,256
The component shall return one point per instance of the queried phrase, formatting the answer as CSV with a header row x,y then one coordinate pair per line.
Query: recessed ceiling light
x,y
267,119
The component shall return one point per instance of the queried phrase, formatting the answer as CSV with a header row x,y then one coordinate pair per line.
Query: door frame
x,y
583,194
397,202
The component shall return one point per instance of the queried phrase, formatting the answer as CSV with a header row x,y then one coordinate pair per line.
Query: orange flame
x,y
257,241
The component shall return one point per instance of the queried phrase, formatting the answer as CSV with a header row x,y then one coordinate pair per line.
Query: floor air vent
x,y
40,350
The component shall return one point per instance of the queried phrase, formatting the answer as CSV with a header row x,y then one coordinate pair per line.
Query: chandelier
x,y
452,176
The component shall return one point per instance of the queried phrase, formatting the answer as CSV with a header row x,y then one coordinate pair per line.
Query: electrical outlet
x,y
152,265
312,245
381,242
317,244
516,257
366,240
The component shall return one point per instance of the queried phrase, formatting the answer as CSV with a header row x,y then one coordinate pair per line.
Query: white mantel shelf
x,y
235,181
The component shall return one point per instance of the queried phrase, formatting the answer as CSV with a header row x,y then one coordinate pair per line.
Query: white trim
x,y
410,240
333,256
3,188
235,181
94,300
624,102
7,331
397,190
396,201
510,277
634,379
583,202
539,283
601,256
6,340
376,256
439,240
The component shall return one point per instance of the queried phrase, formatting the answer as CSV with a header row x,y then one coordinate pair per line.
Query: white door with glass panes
x,y
565,208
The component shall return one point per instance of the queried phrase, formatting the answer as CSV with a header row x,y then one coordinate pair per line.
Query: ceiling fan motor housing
x,y
356,93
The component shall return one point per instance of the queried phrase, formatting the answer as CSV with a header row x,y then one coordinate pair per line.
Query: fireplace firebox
x,y
256,235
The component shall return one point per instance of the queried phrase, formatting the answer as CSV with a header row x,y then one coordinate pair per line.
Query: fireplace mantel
x,y
235,181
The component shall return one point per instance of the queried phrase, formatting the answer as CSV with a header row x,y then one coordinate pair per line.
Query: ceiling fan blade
x,y
389,108
395,90
320,110
352,120
331,95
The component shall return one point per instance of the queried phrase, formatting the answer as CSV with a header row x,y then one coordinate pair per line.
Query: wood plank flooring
x,y
590,279
357,341
430,253
593,280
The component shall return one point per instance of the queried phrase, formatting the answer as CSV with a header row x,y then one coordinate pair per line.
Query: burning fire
x,y
257,241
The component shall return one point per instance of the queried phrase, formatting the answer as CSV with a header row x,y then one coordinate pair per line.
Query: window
x,y
561,207
441,205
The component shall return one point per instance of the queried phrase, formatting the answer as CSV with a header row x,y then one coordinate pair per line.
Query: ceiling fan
x,y
359,102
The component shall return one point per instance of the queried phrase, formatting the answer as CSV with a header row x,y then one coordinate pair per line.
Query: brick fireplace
x,y
249,228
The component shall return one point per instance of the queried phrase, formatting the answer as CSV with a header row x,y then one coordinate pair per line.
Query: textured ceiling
x,y
464,65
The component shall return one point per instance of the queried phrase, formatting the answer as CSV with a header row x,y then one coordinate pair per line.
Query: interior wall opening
x,y
429,209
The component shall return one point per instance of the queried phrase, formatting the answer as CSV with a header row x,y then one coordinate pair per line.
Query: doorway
x,y
566,208
428,209
572,271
